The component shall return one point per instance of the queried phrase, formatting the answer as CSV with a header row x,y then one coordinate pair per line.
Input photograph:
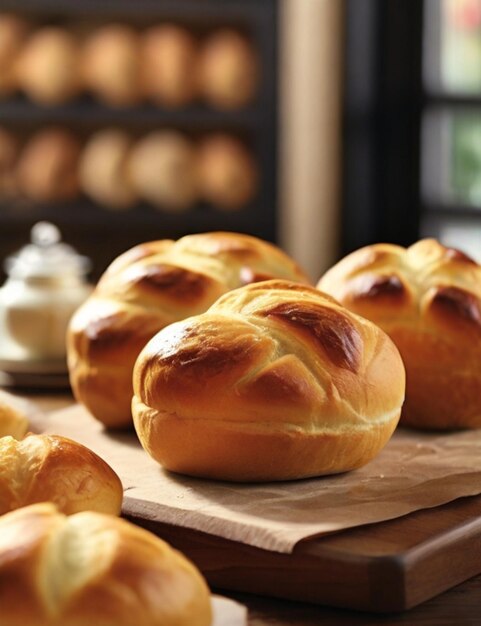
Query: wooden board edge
x,y
318,573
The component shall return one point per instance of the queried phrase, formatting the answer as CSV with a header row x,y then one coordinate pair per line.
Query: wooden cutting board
x,y
388,566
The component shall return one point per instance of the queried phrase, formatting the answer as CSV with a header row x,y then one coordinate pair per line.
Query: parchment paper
x,y
414,471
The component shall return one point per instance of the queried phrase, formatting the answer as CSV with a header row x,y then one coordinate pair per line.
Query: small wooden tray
x,y
390,566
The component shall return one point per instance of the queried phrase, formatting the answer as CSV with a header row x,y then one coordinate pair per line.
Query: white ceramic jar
x,y
46,284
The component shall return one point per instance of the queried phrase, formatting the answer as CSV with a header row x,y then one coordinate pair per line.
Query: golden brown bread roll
x,y
52,468
163,169
146,288
47,170
13,32
111,65
48,69
227,172
13,416
276,381
169,54
104,172
228,70
92,568
428,299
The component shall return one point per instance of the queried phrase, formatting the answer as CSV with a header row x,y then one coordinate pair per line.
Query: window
x,y
412,123
451,124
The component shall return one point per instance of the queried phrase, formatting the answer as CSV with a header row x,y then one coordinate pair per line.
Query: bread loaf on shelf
x,y
228,69
9,152
48,66
104,172
13,33
47,169
92,568
163,170
13,415
169,57
56,469
228,174
147,288
110,63
276,381
428,299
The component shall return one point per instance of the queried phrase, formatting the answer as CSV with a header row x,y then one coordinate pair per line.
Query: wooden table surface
x,y
458,606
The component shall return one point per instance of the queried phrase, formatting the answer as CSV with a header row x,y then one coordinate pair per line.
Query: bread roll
x,y
163,169
169,56
276,381
49,467
228,70
428,299
111,65
9,149
13,32
47,169
92,568
146,288
227,172
104,174
48,69
13,416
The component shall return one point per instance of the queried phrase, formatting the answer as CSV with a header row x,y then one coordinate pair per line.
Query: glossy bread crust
x,y
56,469
428,299
92,568
275,381
144,290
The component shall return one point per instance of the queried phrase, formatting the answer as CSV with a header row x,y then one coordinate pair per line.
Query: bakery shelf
x,y
142,10
83,211
100,233
88,112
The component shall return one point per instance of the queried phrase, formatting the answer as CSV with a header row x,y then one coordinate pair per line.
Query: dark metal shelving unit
x,y
382,104
90,113
100,233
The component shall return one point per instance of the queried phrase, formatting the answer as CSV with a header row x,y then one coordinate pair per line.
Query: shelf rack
x,y
103,234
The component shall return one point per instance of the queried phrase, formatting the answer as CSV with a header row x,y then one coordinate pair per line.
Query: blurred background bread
x,y
14,415
104,170
117,169
169,57
100,570
428,299
51,468
13,33
48,67
275,381
163,170
228,175
147,288
9,151
228,69
47,169
111,64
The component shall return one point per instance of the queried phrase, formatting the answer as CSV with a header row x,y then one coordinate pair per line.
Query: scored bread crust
x,y
428,299
275,381
146,288
92,568
50,467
